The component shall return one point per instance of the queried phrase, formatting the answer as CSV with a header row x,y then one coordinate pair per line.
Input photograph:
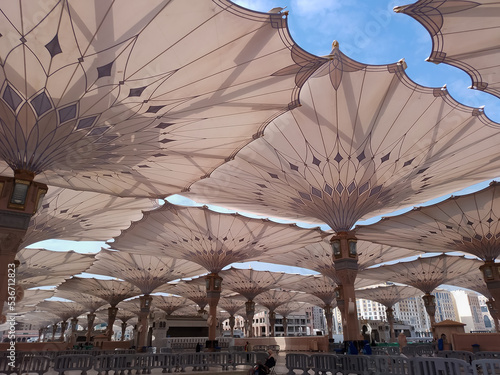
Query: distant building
x,y
469,310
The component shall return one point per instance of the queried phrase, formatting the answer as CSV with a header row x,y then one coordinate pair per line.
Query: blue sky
x,y
369,32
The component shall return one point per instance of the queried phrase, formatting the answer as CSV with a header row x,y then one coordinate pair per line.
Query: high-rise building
x,y
469,310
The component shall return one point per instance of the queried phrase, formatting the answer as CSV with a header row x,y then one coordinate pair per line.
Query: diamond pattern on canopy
x,y
112,291
365,141
89,301
424,273
144,271
232,305
63,309
465,35
40,267
169,304
248,282
468,223
272,299
318,257
74,215
195,292
211,239
319,286
114,97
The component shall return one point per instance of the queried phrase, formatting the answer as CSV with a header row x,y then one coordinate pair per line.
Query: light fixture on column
x,y
21,193
335,243
352,245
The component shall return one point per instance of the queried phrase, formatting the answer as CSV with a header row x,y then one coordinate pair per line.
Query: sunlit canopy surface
x,y
367,140
424,273
169,304
30,299
75,215
291,307
232,305
144,271
64,310
465,35
319,286
195,292
139,99
474,281
468,223
388,295
112,291
271,299
211,239
248,282
319,257
90,302
40,267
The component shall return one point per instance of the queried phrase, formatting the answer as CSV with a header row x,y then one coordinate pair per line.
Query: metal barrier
x,y
242,358
390,364
323,363
458,354
297,362
35,364
79,362
195,360
487,355
385,350
438,366
355,364
486,366
217,359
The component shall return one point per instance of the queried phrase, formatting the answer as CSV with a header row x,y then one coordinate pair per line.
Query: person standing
x,y
402,341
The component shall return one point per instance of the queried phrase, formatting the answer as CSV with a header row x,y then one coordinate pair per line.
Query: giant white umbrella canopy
x,y
41,267
169,304
139,99
366,140
91,302
147,272
318,257
112,291
231,306
30,299
195,292
272,299
320,286
289,308
213,240
468,224
64,310
464,34
79,215
388,296
132,100
425,274
249,283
